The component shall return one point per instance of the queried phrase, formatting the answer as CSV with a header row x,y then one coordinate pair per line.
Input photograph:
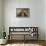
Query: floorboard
x,y
25,43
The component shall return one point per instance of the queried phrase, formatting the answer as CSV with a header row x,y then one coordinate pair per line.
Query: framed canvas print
x,y
22,12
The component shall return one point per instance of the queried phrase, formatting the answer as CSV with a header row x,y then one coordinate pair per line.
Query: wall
x,y
45,19
37,17
0,18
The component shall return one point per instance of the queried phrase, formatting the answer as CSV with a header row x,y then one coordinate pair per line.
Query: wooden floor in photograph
x,y
25,43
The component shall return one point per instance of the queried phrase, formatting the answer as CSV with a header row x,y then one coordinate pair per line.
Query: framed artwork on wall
x,y
22,12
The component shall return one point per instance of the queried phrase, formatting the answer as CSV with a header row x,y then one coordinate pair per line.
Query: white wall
x,y
0,18
36,15
45,19
0,12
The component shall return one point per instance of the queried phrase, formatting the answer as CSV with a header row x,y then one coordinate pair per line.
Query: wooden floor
x,y
25,43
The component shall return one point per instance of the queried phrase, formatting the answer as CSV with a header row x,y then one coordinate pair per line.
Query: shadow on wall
x,y
1,34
